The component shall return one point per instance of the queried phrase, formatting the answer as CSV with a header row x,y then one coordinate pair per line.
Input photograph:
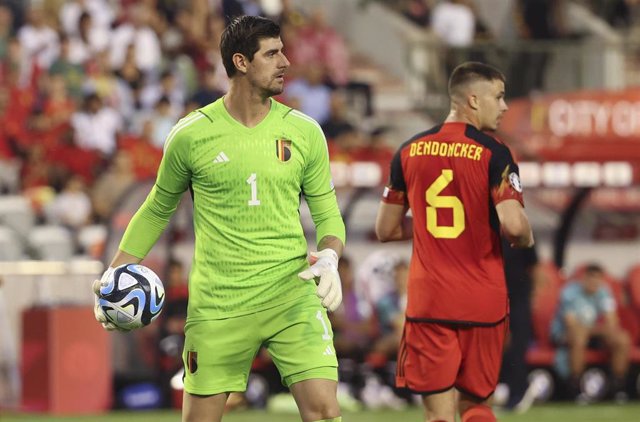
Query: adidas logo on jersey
x,y
221,158
328,351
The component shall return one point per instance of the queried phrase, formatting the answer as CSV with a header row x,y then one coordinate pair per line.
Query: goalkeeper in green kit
x,y
246,160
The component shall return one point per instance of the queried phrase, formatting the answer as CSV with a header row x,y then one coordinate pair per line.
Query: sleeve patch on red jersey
x,y
510,187
514,181
390,196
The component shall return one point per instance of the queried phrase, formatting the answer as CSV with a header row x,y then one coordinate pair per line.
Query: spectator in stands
x,y
418,12
376,149
101,13
209,89
145,156
317,42
39,40
139,33
375,279
113,91
163,120
381,285
390,311
168,88
35,171
309,89
57,109
332,47
587,314
72,206
70,69
618,13
454,22
96,126
338,121
131,80
232,9
88,41
111,185
540,20
347,144
7,148
6,29
352,333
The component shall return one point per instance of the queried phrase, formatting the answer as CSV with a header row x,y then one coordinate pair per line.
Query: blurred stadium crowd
x,y
89,89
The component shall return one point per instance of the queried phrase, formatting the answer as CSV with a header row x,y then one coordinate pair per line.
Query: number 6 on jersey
x,y
436,201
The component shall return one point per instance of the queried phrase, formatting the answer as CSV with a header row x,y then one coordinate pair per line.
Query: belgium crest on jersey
x,y
283,149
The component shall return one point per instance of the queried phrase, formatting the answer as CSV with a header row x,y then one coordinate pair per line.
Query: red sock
x,y
478,413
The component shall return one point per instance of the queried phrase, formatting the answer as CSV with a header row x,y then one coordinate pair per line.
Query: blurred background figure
x,y
352,332
520,269
171,331
111,185
381,288
587,316
96,126
71,207
310,92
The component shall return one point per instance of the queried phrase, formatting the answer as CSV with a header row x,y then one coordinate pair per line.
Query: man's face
x,y
592,281
491,104
266,70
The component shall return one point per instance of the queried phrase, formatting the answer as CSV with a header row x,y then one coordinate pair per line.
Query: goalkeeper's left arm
x,y
331,237
143,231
330,231
153,216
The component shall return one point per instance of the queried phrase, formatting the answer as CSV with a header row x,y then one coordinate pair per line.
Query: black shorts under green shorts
x,y
218,354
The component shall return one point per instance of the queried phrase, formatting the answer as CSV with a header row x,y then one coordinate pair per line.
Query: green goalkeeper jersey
x,y
246,185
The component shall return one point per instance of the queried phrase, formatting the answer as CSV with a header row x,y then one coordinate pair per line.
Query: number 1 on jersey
x,y
435,201
252,180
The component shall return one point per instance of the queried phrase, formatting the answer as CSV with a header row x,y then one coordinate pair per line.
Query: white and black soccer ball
x,y
132,297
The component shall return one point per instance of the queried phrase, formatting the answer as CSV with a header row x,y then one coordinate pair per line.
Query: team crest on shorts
x,y
192,361
283,149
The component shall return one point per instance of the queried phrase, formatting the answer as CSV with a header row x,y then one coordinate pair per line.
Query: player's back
x,y
456,270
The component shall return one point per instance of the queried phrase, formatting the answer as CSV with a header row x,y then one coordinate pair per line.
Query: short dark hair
x,y
243,36
593,268
472,71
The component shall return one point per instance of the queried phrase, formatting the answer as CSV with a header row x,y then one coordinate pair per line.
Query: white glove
x,y
324,269
97,310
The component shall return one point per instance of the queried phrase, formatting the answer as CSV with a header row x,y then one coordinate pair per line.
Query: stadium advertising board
x,y
593,130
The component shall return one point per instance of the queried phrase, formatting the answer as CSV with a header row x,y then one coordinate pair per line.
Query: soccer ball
x,y
132,297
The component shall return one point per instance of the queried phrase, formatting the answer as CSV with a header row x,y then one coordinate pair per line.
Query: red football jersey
x,y
451,177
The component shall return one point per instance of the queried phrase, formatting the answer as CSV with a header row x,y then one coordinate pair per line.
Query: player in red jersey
x,y
463,189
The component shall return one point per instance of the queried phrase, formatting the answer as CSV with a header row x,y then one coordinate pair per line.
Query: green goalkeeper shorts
x,y
218,354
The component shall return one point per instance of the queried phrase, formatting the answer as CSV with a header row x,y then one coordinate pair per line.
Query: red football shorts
x,y
435,357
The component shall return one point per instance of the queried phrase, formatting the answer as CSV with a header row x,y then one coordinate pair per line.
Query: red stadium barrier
x,y
66,362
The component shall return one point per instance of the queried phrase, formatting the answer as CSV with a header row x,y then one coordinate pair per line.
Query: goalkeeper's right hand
x,y
97,310
324,270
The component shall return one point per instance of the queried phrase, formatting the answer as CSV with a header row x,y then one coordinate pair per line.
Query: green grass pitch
x,y
566,412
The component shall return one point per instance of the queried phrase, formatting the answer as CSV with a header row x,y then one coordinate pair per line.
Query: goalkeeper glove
x,y
324,270
98,313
